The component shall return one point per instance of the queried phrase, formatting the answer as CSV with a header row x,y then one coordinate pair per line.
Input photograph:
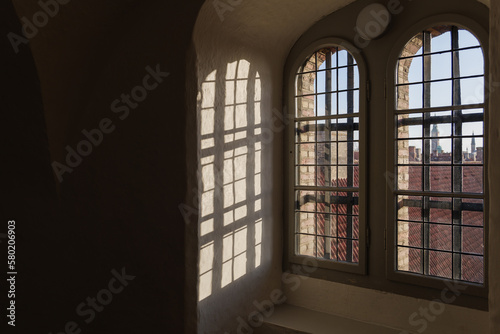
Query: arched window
x,y
439,156
326,154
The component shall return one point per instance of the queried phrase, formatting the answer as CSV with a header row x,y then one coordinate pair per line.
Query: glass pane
x,y
306,245
473,268
440,210
324,82
327,132
305,154
409,208
334,77
472,128
473,151
440,178
327,58
342,57
410,70
305,222
410,96
356,77
441,38
440,124
471,90
348,102
413,47
326,176
466,39
473,240
326,224
440,65
305,200
471,62
410,126
472,179
306,106
441,93
306,84
305,132
472,212
440,264
409,151
440,150
343,79
440,237
305,176
410,178
309,64
326,153
409,234
410,260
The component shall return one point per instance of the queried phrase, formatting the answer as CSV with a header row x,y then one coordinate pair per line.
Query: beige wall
x,y
494,181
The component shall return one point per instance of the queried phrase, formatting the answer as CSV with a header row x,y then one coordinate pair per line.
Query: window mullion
x,y
457,159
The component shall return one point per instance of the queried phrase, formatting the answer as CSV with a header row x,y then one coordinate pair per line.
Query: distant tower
x,y
435,141
473,144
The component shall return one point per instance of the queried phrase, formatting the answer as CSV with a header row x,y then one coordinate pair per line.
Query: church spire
x,y
473,144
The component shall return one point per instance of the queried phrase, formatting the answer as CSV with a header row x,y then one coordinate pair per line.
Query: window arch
x,y
439,157
326,180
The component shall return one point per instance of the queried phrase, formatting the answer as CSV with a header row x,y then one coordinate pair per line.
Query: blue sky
x,y
471,63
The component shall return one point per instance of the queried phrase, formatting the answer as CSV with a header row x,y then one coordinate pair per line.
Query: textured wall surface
x,y
494,171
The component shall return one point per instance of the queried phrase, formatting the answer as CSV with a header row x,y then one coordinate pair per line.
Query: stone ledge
x,y
288,319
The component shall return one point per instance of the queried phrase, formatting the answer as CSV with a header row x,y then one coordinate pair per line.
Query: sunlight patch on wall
x,y
230,174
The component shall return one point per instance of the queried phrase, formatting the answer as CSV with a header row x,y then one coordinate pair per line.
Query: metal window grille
x,y
439,146
327,148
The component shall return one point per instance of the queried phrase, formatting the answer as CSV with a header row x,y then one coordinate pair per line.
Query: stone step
x,y
288,319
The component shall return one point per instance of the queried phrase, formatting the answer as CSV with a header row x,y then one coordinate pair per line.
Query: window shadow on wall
x,y
230,170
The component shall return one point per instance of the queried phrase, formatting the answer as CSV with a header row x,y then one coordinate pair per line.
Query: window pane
x,y
410,178
466,39
410,126
440,65
440,151
440,264
306,154
441,93
305,106
410,234
471,90
409,259
305,175
305,222
410,208
440,210
472,212
410,70
440,178
305,132
305,201
473,268
306,245
326,176
410,96
309,64
440,237
441,39
324,83
472,179
327,154
473,240
306,83
471,62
